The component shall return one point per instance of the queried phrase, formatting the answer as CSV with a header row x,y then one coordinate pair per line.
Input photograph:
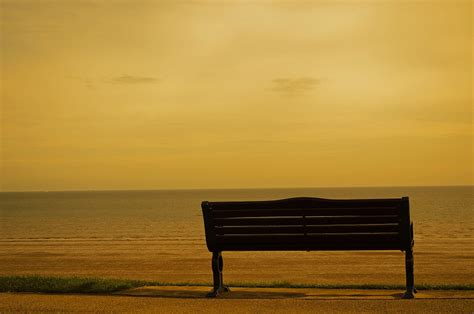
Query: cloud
x,y
294,86
130,79
86,81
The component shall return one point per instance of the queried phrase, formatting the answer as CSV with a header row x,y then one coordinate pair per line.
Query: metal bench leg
x,y
217,267
409,261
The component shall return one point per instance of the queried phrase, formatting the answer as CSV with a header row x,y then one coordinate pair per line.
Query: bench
x,y
308,224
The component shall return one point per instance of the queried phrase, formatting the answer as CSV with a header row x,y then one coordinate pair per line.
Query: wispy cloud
x,y
294,85
85,80
131,79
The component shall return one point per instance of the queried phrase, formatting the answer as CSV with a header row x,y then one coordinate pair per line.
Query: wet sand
x,y
244,300
438,260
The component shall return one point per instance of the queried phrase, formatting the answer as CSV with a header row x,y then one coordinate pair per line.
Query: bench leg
x,y
217,267
409,265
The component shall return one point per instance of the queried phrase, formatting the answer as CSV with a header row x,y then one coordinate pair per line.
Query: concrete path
x,y
243,300
285,293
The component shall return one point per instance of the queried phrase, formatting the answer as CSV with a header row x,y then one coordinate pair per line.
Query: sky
x,y
235,94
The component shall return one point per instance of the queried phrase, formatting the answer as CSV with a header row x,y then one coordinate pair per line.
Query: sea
x,y
159,235
147,214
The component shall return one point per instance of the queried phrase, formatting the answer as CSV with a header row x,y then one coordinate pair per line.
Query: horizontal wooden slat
x,y
308,229
305,212
307,239
288,221
305,202
312,247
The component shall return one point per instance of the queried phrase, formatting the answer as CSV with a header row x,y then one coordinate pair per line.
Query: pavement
x,y
171,299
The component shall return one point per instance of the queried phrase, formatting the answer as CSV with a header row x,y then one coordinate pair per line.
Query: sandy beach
x,y
437,261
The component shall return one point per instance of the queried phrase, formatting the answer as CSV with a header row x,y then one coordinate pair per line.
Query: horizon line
x,y
236,188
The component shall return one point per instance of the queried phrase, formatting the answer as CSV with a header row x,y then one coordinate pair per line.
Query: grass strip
x,y
94,285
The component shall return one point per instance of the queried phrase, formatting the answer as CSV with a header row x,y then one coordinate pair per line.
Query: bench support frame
x,y
217,267
409,266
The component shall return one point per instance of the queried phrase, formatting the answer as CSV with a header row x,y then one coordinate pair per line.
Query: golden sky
x,y
222,94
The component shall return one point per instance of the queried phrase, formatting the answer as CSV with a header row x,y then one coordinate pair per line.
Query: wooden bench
x,y
308,224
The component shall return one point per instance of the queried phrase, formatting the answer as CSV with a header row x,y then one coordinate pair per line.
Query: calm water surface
x,y
438,212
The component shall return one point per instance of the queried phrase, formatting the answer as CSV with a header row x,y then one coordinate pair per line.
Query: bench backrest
x,y
308,224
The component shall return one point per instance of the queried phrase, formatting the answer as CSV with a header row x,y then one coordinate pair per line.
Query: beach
x,y
160,236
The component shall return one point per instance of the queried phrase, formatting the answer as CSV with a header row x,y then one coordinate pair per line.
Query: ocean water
x,y
437,212
159,235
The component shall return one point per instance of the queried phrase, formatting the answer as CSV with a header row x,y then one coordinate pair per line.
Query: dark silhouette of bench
x,y
308,224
